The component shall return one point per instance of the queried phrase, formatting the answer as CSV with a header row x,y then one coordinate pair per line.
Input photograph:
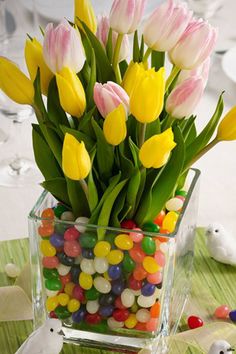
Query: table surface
x,y
218,187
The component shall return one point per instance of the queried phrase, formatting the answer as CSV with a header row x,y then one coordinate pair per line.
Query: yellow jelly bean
x,y
131,321
63,299
115,257
106,276
170,221
69,287
73,305
102,249
47,249
85,281
150,265
52,303
124,242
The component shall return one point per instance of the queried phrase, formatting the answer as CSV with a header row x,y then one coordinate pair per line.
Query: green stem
x,y
142,134
203,152
115,62
146,55
167,123
173,74
84,187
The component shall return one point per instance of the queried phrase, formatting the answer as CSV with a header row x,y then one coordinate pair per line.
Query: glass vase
x,y
111,289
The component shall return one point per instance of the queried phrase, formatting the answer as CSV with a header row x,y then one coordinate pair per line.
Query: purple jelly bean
x,y
79,315
106,311
148,289
57,240
117,287
114,272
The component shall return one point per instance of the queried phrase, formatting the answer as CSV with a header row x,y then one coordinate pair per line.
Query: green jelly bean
x,y
148,245
92,294
53,284
151,227
60,228
181,192
111,239
134,308
87,240
128,263
60,208
62,312
50,273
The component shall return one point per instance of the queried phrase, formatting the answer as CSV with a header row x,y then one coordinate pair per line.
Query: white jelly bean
x,y
51,293
67,216
12,270
174,204
157,293
113,324
143,315
102,285
136,292
101,264
146,301
63,269
87,266
127,298
92,306
83,220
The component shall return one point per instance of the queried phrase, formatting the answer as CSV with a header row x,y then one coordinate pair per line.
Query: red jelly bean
x,y
71,234
72,248
120,315
160,217
134,284
222,312
194,322
50,262
118,304
52,315
141,326
78,293
65,279
93,318
128,224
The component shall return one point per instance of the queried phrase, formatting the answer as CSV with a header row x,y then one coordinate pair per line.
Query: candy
x,y
115,257
88,240
93,318
75,272
87,253
62,312
160,258
92,306
128,264
102,285
87,266
137,254
194,322
68,289
170,221
113,324
151,227
47,214
73,305
107,299
131,321
92,294
12,270
71,234
46,230
51,293
151,325
65,279
52,314
139,272
127,298
114,272
63,299
47,249
83,221
50,262
52,303
150,265
134,284
174,204
140,327
222,312
57,240
72,248
155,310
124,242
66,260
61,228
232,315
78,293
117,287
101,264
67,216
53,284
160,217
102,249
50,273
63,270
135,307
148,245
143,315
118,303
106,311
146,301
78,316
120,315
181,193
155,278
128,224
148,290
59,209
85,281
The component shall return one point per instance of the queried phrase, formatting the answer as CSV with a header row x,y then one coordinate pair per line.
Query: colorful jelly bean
x,y
174,204
181,193
232,315
106,311
75,272
128,264
81,223
57,240
137,254
53,284
93,319
127,298
87,253
114,272
52,303
150,265
101,264
128,224
62,312
72,248
107,299
48,215
155,278
148,245
222,312
151,325
146,301
47,249
92,307
87,266
60,208
120,315
194,322
113,324
51,293
79,315
63,270
50,273
136,235
148,289
143,315
134,284
102,285
102,249
139,273
46,230
160,258
78,293
170,221
67,216
68,289
160,217
71,234
73,305
117,286
63,299
131,321
66,260
85,281
155,310
88,240
124,242
92,294
115,257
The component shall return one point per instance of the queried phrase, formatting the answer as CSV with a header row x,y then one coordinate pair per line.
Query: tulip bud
x,y
200,71
102,35
84,11
166,25
34,60
132,75
227,127
63,47
14,83
71,92
195,45
114,126
76,163
147,97
155,151
183,100
109,96
126,15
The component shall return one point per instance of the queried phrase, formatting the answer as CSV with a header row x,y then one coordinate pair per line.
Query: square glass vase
x,y
109,292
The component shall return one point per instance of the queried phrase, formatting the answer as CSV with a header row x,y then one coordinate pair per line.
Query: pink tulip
x,y
63,47
183,100
109,96
201,71
126,15
102,35
195,45
166,25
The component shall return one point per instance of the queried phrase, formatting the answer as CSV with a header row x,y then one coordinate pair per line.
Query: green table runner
x,y
213,285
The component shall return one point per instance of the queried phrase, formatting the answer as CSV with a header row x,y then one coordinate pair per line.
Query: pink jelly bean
x,y
72,248
78,293
152,324
137,254
155,278
65,279
50,262
222,312
160,258
136,236
71,234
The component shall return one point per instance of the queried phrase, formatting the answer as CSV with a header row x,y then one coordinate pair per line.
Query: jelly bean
x,y
62,312
160,258
72,248
115,257
128,264
63,299
12,270
222,312
118,303
73,305
155,278
46,230
194,322
102,285
65,279
160,217
151,325
162,239
120,315
136,235
136,292
60,228
101,264
63,270
113,324
79,316
68,289
114,272
128,224
148,245
88,240
107,299
155,310
143,315
47,249
146,301
75,272
85,281
53,284
52,303
81,223
150,265
140,326
50,262
134,284
131,321
87,253
110,238
106,311
124,242
49,215
151,227
134,308
157,293
50,273
71,234
53,315
148,289
92,306
232,315
174,204
78,259
51,293
127,298
181,198
139,273
170,221
66,260
78,293
87,266
93,319
67,216
181,192
106,276
92,294
59,209
57,240
102,249
137,254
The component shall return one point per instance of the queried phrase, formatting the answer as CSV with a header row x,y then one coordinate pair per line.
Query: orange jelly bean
x,y
160,217
46,230
137,254
65,278
47,214
140,326
139,273
155,310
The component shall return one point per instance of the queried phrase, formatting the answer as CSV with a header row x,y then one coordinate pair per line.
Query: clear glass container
x,y
156,281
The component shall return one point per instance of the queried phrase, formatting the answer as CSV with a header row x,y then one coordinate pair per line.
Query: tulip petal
x,y
227,127
114,126
84,11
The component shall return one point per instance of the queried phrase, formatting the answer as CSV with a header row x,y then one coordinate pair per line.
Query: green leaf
x,y
109,46
104,216
119,205
53,141
77,197
92,190
158,59
141,51
92,81
125,164
136,53
123,67
132,191
135,153
141,187
89,143
55,112
58,188
39,107
153,129
85,125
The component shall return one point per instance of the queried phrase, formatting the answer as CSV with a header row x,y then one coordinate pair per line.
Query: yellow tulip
x,y
133,74
147,97
71,92
76,163
114,126
14,83
34,60
156,150
227,127
84,11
